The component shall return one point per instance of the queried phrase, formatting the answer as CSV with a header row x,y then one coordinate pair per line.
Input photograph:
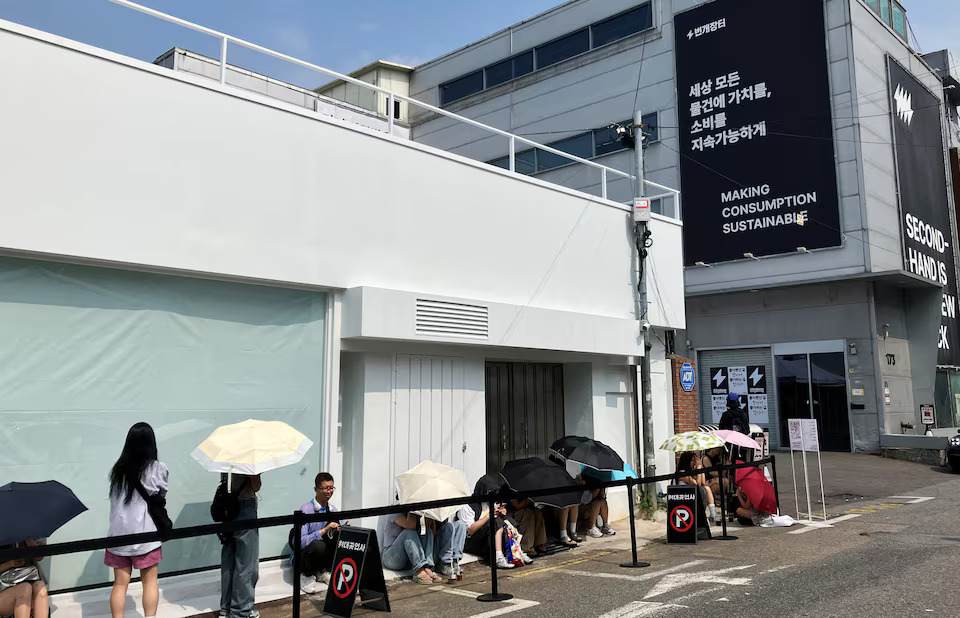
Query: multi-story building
x,y
809,145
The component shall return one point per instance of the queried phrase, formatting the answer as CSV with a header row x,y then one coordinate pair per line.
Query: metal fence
x,y
299,519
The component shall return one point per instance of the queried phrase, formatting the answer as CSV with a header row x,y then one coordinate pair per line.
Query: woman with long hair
x,y
136,472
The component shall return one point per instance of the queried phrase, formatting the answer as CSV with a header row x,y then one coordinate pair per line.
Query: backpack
x,y
226,504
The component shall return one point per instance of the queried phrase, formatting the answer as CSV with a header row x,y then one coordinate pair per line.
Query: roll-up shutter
x,y
708,360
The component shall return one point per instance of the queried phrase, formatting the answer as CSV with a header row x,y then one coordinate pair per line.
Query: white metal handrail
x,y
391,96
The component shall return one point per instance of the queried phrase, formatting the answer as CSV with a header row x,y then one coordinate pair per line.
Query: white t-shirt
x,y
132,517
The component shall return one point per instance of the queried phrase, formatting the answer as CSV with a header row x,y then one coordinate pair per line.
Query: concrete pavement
x,y
884,555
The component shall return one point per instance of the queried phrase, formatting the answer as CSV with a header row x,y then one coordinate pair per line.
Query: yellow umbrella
x,y
252,447
429,481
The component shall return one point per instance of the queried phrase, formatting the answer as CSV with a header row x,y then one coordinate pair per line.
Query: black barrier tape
x,y
73,547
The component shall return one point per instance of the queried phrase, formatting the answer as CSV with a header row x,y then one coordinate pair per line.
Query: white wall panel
x,y
164,170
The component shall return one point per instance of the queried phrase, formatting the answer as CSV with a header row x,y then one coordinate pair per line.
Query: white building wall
x,y
266,203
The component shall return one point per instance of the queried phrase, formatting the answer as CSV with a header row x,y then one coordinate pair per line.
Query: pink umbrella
x,y
735,437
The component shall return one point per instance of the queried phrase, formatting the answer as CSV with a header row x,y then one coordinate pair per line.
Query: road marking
x,y
673,581
634,578
808,526
913,499
527,571
699,593
513,605
641,608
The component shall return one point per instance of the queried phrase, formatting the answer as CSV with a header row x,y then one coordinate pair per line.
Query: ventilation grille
x,y
436,318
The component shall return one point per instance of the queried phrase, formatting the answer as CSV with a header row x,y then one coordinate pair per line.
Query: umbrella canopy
x,y
691,441
428,481
758,489
737,438
252,447
35,510
611,475
533,473
588,452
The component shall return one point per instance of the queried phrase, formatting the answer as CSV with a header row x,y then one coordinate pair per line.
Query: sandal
x,y
436,577
568,543
423,577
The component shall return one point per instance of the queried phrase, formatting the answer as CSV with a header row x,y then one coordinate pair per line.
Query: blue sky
x,y
341,35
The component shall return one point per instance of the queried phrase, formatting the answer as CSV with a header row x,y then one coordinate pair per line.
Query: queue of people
x,y
432,550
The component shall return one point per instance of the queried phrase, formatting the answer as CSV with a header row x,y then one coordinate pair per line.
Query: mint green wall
x,y
86,352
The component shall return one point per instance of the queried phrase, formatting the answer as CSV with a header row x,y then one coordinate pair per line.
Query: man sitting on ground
x,y
318,540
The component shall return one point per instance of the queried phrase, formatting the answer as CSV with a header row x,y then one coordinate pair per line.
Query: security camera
x,y
644,326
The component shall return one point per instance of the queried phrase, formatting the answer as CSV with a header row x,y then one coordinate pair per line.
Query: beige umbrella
x,y
428,481
252,447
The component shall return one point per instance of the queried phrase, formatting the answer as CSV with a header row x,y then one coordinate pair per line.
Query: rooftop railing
x,y
226,39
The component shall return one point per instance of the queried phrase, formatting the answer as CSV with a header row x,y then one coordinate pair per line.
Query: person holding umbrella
x,y
241,452
29,513
136,472
476,518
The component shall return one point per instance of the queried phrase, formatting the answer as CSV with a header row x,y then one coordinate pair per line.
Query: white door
x,y
428,412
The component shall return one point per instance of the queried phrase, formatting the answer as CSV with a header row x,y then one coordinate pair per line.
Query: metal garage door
x,y
709,361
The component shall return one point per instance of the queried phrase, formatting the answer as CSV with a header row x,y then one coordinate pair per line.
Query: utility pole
x,y
646,412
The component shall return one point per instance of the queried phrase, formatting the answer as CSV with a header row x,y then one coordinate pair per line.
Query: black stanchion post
x,y
723,510
494,595
635,564
776,489
297,550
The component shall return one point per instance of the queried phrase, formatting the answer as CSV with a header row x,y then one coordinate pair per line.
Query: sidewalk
x,y
311,606
850,478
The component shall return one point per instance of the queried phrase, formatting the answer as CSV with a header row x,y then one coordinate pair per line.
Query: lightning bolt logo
x,y
904,102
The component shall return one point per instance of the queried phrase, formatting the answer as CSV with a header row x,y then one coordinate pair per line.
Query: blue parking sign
x,y
687,377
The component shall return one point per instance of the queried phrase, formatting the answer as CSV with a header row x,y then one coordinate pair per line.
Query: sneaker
x,y
607,530
525,558
324,578
576,537
223,613
502,562
594,532
309,584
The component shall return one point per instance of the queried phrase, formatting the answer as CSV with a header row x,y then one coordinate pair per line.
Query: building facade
x,y
817,205
191,252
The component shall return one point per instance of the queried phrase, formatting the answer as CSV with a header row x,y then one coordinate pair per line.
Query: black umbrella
x,y
533,473
588,452
35,510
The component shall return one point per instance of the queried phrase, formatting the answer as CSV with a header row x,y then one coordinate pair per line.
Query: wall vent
x,y
438,318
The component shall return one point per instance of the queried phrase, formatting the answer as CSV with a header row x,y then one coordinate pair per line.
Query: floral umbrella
x,y
691,441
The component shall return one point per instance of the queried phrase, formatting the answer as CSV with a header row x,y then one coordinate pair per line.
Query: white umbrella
x,y
428,481
252,447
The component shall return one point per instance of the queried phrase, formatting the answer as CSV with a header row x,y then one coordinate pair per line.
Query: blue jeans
x,y
450,542
410,551
240,566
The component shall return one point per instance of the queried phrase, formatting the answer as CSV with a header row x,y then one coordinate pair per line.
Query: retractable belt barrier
x,y
298,519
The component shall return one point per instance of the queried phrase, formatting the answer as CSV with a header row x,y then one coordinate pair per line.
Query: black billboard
x,y
926,231
757,170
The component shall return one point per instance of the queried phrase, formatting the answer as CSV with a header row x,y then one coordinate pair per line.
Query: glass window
x,y
523,64
499,73
651,128
561,49
503,162
578,145
874,4
622,25
461,87
526,162
899,20
885,10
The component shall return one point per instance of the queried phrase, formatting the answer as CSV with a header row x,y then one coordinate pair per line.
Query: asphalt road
x,y
883,556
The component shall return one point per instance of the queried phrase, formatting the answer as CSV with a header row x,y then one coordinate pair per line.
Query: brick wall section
x,y
685,412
